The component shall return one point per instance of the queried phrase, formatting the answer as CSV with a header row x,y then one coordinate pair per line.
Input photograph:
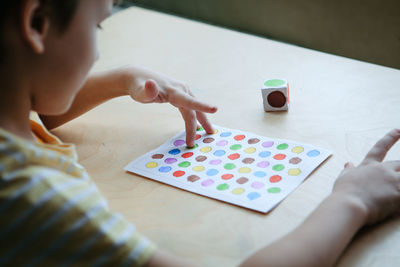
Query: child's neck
x,y
15,106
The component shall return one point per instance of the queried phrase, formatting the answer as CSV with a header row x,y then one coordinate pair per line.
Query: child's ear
x,y
35,24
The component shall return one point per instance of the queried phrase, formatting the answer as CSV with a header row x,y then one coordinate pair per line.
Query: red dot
x,y
234,156
239,137
198,136
275,178
179,173
279,156
187,155
227,176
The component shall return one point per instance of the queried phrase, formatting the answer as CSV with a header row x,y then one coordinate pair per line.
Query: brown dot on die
x,y
276,99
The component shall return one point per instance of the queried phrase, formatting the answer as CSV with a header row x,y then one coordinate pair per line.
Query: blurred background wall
x,y
368,30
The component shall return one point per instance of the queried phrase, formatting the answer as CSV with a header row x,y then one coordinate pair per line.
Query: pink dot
x,y
268,144
222,143
263,164
257,185
215,161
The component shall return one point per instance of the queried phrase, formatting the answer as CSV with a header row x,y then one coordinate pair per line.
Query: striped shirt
x,y
53,214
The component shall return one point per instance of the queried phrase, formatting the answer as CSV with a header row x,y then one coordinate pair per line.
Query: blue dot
x,y
313,153
264,154
165,169
174,151
260,174
226,134
219,153
253,195
212,172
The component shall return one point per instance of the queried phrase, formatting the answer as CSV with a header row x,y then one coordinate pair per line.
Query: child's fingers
x,y
186,101
349,165
190,125
379,150
393,164
202,118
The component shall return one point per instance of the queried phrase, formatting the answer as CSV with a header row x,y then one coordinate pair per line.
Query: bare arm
x,y
99,88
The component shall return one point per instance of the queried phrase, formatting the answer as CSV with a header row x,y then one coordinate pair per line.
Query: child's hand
x,y
147,86
374,184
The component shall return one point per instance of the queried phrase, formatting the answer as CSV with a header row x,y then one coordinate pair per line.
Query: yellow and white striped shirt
x,y
53,214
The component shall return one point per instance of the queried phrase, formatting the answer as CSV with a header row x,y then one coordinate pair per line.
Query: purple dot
x,y
179,142
222,143
268,144
263,164
215,161
170,160
207,182
257,185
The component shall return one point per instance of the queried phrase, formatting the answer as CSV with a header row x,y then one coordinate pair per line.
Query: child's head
x,y
48,48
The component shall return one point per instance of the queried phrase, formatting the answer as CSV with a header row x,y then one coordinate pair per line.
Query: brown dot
x,y
276,99
193,178
208,140
242,180
157,156
253,141
201,158
248,160
295,160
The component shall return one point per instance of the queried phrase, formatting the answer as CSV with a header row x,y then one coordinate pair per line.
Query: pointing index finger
x,y
380,149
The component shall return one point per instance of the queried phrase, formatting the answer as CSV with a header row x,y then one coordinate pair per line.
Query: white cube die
x,y
275,93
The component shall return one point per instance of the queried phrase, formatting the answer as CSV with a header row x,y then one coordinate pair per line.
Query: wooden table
x,y
336,103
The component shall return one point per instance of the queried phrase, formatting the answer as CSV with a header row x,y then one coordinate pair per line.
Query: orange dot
x,y
227,176
179,173
198,136
280,156
234,156
239,137
275,178
187,155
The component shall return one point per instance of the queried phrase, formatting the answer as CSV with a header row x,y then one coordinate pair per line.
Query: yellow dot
x,y
244,170
151,165
297,149
216,131
198,168
206,149
250,150
237,191
294,172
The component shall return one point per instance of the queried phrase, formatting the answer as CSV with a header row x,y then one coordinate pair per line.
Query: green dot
x,y
184,164
236,147
278,167
282,146
274,83
223,187
193,147
200,129
274,190
229,166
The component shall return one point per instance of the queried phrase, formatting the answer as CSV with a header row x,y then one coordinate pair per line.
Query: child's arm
x,y
361,195
144,86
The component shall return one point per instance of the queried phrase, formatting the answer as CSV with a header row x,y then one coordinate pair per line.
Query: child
x,y
53,214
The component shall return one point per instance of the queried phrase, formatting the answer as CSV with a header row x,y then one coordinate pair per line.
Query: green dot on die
x,y
274,83
184,164
223,187
278,167
236,147
229,166
274,190
282,146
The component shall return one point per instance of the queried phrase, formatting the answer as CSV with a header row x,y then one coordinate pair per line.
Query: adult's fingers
x,y
187,101
202,118
379,150
190,125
